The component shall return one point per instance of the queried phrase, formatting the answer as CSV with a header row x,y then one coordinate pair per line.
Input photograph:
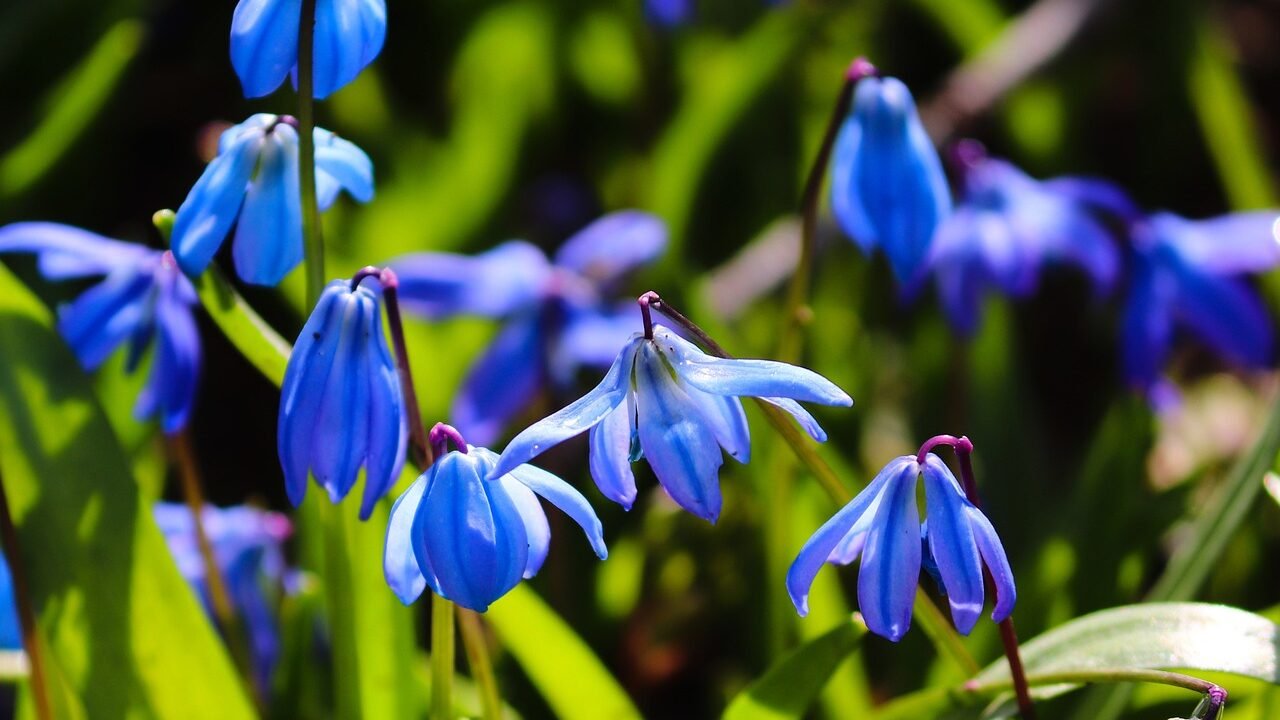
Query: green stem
x,y
441,658
477,649
312,239
338,580
38,681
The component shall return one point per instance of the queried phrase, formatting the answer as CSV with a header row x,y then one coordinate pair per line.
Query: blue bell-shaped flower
x,y
341,405
470,537
253,185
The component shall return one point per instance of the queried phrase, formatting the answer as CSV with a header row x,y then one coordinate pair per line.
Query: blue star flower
x,y
264,42
254,179
470,533
143,298
557,313
665,400
1192,275
1007,226
341,405
888,190
246,545
882,525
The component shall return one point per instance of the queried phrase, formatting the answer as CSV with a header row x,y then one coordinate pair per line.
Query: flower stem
x,y
183,457
442,653
794,314
477,650
312,239
38,681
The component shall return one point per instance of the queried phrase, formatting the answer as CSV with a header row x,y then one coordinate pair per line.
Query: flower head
x,y
558,314
10,625
341,405
888,190
470,533
142,301
1007,226
264,42
668,402
246,545
1192,275
253,185
882,526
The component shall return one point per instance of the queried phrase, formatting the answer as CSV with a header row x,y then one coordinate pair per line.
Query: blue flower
x,y
143,298
888,190
246,545
264,42
470,533
668,402
255,178
882,525
341,406
557,314
668,13
1192,275
1008,226
10,624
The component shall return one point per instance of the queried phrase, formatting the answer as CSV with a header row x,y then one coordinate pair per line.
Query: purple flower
x,y
1007,227
882,526
558,314
143,301
1193,275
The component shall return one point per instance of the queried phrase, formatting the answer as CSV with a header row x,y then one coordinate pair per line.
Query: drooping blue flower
x,y
247,550
1007,227
888,190
471,534
558,313
253,185
143,301
882,526
668,402
264,42
1192,275
341,405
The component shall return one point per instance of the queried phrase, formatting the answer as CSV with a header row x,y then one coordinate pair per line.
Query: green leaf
x,y
789,688
248,332
124,628
559,664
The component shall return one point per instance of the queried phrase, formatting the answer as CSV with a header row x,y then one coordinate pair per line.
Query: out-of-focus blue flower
x,y
558,314
1007,226
264,42
247,550
1192,275
668,13
668,402
888,190
143,298
471,534
10,624
882,525
341,405
255,178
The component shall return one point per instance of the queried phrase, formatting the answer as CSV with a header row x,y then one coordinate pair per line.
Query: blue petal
x,y
891,559
340,165
388,432
996,561
573,419
1226,245
10,627
349,35
499,282
819,548
98,321
802,416
264,43
268,240
724,416
952,544
398,562
1148,324
677,442
536,527
610,462
613,245
846,203
760,378
562,495
1227,314
171,387
502,383
206,216
591,337
668,13
851,545
68,252
1101,196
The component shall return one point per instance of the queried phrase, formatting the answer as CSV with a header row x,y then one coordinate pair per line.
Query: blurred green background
x,y
493,120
